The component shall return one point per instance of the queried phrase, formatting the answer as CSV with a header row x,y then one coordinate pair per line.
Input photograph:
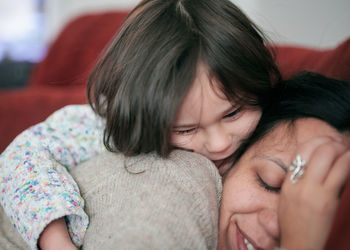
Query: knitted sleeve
x,y
145,202
35,185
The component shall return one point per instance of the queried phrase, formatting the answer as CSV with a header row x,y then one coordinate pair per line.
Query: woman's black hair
x,y
307,95
140,82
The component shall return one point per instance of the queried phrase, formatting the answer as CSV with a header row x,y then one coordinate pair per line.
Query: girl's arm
x,y
56,237
307,207
36,187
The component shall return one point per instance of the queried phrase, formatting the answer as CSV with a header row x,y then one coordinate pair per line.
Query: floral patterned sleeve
x,y
35,185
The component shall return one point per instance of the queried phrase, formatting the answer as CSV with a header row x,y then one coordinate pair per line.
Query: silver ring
x,y
297,167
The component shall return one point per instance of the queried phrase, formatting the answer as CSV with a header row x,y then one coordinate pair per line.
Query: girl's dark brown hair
x,y
139,83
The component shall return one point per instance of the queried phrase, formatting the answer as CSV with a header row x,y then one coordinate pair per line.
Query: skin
x,y
261,204
208,123
56,237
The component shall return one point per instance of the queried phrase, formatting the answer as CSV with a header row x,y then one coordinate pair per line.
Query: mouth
x,y
248,243
221,162
229,158
218,163
222,165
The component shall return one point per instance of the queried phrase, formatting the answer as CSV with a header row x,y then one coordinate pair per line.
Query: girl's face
x,y
209,124
250,198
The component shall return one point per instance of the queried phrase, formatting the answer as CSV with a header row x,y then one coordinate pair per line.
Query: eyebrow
x,y
277,161
223,113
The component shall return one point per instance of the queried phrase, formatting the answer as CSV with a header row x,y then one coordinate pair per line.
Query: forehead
x,y
204,85
286,137
203,97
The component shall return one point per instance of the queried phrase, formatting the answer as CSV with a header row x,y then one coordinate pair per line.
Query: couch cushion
x,y
75,51
23,108
334,62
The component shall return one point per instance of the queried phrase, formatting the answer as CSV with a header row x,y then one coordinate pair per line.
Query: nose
x,y
218,140
268,218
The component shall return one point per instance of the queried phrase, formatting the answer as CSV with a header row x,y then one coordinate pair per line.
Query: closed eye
x,y
267,187
234,113
185,131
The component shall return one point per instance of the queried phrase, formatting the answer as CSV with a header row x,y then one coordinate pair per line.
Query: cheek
x,y
242,194
189,142
181,141
245,125
251,119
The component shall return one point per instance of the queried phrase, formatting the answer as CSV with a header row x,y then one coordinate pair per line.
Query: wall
x,y
59,12
316,23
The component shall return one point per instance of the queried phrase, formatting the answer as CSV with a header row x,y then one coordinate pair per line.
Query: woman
x,y
306,127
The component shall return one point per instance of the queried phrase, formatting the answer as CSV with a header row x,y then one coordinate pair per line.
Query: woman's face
x,y
248,213
208,123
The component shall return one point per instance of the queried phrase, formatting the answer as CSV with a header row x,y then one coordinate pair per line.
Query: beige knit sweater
x,y
145,202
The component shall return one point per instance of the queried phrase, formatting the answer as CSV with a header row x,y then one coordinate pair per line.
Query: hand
x,y
307,207
56,236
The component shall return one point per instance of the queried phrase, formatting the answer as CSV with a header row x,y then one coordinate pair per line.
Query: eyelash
x,y
233,113
184,132
266,186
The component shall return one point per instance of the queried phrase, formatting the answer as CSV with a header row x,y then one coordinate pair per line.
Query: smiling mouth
x,y
248,244
220,163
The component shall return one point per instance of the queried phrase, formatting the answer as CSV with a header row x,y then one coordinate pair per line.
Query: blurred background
x,y
28,27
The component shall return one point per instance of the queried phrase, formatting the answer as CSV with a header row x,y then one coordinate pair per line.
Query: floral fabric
x,y
35,185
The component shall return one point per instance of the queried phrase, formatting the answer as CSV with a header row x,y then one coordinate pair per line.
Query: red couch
x,y
60,80
61,77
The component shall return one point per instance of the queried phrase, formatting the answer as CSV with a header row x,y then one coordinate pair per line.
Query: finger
x,y
339,174
306,150
322,160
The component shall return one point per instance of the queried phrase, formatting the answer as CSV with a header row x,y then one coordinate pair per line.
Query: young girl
x,y
179,74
